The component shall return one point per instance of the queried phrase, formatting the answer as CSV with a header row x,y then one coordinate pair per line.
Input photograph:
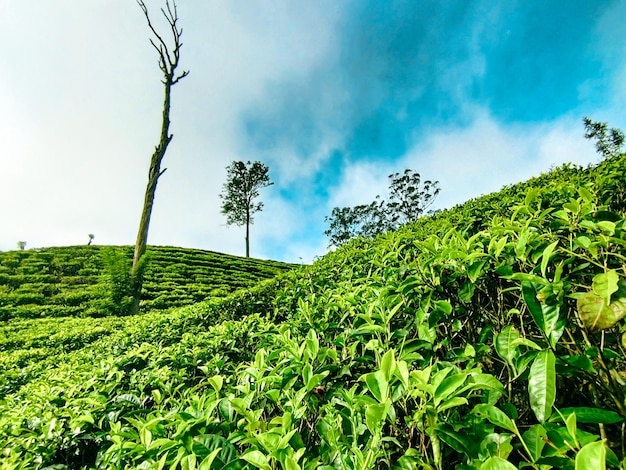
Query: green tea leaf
x,y
525,342
534,440
542,385
497,463
494,416
449,386
377,385
606,226
592,456
570,424
312,344
375,416
596,314
547,316
239,405
605,284
503,343
269,441
388,364
257,458
315,380
457,440
443,306
452,403
290,463
402,372
466,292
590,415
545,257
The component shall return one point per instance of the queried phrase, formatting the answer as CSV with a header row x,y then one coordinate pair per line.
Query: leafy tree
x,y
408,200
168,62
609,142
243,182
21,245
91,237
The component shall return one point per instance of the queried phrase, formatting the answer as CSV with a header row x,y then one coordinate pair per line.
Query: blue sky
x,y
332,96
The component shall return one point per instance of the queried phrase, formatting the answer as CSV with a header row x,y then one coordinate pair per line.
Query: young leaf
x,y
375,416
312,344
545,257
377,385
494,416
605,284
534,440
570,424
257,458
593,455
542,385
388,364
497,463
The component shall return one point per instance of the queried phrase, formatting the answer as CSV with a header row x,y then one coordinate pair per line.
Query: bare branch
x,y
168,60
182,75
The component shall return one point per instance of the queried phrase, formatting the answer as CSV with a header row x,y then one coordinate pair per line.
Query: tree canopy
x,y
243,182
609,142
408,200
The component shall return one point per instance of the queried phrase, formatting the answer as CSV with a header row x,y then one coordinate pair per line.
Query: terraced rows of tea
x,y
488,336
65,281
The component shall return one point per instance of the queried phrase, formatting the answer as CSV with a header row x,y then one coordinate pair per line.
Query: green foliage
x,y
463,340
609,142
70,281
117,295
408,200
243,182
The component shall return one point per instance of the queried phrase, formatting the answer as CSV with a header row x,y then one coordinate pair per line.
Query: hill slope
x,y
488,336
65,281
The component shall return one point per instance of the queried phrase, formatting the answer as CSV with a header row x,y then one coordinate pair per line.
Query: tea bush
x,y
69,277
488,336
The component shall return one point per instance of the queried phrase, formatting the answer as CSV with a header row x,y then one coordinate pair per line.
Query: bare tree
x,y
169,56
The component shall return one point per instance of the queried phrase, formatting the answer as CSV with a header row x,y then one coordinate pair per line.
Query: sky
x,y
333,96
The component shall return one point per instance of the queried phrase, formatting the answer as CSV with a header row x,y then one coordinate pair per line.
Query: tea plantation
x,y
67,281
487,336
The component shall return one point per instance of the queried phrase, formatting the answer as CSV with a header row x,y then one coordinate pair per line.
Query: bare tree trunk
x,y
248,233
168,61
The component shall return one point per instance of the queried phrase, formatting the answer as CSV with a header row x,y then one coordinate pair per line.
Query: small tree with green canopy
x,y
409,198
609,142
243,182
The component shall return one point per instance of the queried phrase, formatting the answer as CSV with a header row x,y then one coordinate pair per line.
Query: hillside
x,y
68,281
488,336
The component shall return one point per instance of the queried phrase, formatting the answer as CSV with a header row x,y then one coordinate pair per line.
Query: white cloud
x,y
80,108
474,160
81,103
361,183
486,155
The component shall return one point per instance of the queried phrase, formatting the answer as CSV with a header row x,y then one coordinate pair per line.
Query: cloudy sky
x,y
332,95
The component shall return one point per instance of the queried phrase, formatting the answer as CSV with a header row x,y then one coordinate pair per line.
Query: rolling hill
x,y
67,281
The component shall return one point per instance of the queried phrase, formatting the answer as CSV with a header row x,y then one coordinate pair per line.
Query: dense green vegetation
x,y
488,336
67,281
